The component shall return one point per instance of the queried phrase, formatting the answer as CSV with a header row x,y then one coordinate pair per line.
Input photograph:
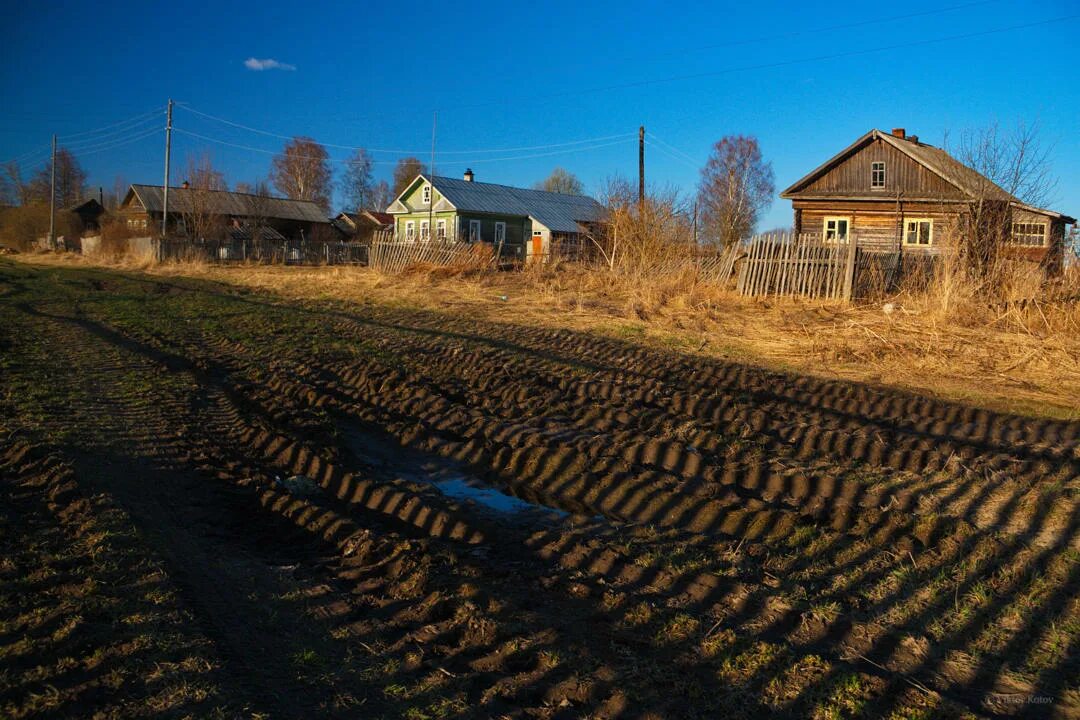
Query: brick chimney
x,y
468,176
899,133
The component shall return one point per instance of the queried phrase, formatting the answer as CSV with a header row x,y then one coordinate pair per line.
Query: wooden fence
x,y
392,255
805,265
274,252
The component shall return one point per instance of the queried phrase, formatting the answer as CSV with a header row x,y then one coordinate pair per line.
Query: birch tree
x,y
302,172
736,186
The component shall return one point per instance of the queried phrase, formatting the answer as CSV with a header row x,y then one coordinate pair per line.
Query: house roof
x,y
556,211
224,202
968,180
91,203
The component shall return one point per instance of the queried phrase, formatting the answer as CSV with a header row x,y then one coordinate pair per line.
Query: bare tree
x,y
736,185
1010,164
405,172
302,172
380,196
120,188
358,184
200,204
70,180
257,202
561,181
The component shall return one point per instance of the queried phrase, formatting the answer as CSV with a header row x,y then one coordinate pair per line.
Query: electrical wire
x,y
156,111
248,128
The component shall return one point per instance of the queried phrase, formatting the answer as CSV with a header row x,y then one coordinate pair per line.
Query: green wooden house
x,y
528,223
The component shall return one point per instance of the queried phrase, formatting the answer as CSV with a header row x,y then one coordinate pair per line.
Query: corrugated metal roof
x,y
556,211
223,202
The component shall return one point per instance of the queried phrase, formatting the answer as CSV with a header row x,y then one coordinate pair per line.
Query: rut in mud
x,y
518,521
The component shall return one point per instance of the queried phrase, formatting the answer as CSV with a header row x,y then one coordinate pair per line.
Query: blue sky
x,y
805,78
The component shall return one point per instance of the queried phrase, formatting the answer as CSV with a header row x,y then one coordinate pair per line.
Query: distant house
x,y
530,221
89,214
361,226
233,214
892,191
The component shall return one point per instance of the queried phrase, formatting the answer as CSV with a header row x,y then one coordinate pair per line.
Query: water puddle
x,y
383,452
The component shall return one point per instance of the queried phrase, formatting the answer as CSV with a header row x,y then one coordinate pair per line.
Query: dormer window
x,y
426,194
877,175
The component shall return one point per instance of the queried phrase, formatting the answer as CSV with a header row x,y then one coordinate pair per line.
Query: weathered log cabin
x,y
893,192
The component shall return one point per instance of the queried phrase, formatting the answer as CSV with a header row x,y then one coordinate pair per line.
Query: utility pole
x,y
641,168
52,198
431,197
165,190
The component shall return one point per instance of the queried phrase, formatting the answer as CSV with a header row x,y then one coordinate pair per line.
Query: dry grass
x,y
1013,357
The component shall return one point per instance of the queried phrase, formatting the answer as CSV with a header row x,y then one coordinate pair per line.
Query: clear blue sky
x,y
522,75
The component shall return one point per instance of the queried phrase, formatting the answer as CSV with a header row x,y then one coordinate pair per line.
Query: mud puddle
x,y
388,458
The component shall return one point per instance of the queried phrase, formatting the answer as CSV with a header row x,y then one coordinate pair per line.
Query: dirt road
x,y
284,509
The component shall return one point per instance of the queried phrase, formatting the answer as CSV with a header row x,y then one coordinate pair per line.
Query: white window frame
x,y
835,219
425,194
440,229
477,236
908,221
410,231
1016,233
874,169
500,232
425,231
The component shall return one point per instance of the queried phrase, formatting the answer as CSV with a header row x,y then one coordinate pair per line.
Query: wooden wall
x,y
852,176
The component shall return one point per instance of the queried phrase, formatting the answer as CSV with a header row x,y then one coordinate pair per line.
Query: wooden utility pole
x,y
431,181
641,167
52,198
165,189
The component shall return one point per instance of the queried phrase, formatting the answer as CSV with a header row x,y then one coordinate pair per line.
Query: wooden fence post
x,y
849,269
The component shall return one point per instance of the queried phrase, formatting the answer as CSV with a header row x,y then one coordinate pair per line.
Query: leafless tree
x,y
258,209
302,172
199,204
1010,164
405,172
736,185
358,185
561,181
120,188
70,180
380,196
12,187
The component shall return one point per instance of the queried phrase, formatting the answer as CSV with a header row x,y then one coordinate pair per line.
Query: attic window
x,y
427,194
877,175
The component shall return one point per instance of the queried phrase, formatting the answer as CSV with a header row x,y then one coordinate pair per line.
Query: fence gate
x,y
804,265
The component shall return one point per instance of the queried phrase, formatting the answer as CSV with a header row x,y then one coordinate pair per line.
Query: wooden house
x,y
528,222
893,192
361,226
228,212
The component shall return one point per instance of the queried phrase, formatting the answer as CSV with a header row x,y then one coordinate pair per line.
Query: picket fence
x,y
804,265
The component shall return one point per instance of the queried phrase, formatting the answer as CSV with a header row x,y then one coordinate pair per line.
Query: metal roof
x,y
556,211
223,202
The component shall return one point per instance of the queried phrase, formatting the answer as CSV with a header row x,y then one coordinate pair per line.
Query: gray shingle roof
x,y
234,204
556,211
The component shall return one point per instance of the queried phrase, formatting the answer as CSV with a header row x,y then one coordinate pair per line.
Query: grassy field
x,y
296,493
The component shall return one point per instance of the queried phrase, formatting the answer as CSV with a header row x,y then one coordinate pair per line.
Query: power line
x,y
279,136
156,111
392,162
141,126
672,150
777,64
661,148
121,143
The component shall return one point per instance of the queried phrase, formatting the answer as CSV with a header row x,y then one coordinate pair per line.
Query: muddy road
x,y
218,502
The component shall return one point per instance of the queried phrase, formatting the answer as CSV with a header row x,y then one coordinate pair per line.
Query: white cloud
x,y
267,64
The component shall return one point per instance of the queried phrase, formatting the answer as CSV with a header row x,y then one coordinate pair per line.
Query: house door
x,y
538,243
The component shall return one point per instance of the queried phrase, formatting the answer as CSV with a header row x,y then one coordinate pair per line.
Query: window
x,y
918,231
474,231
500,232
426,193
836,229
425,230
877,175
410,230
440,229
1029,234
